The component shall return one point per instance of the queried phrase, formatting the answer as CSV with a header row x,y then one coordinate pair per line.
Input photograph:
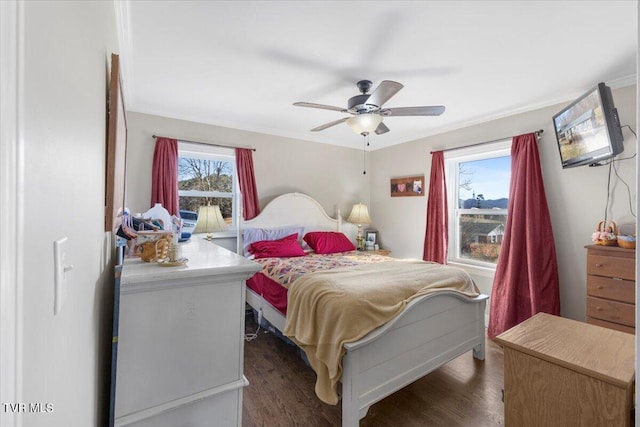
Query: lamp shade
x,y
210,220
359,214
364,123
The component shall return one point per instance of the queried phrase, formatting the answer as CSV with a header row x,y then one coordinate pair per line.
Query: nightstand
x,y
384,252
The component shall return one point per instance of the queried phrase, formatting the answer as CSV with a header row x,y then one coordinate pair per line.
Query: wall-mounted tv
x,y
588,130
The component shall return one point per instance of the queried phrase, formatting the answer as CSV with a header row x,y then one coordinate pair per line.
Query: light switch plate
x,y
60,274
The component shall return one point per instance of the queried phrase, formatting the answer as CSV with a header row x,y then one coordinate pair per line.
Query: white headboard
x,y
296,209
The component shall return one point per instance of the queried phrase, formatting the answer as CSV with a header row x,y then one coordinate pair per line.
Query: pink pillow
x,y
328,242
286,247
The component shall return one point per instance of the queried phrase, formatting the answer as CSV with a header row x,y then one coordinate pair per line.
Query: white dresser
x,y
180,339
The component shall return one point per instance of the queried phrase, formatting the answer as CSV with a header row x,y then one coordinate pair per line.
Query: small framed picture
x,y
409,186
370,239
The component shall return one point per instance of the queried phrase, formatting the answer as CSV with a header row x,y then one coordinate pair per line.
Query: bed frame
x,y
431,331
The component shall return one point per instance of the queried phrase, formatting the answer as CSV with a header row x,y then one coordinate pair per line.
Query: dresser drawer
x,y
611,266
612,311
611,325
614,289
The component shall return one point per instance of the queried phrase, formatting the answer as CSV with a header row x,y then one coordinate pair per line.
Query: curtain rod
x,y
538,133
204,143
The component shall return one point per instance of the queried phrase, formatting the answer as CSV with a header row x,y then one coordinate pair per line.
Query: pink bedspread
x,y
279,273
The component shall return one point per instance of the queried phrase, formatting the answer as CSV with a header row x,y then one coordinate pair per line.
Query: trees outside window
x,y
207,176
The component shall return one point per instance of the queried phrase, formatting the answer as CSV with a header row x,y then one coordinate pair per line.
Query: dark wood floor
x,y
464,392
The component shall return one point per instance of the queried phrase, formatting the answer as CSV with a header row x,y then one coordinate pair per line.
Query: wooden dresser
x,y
563,373
179,340
611,287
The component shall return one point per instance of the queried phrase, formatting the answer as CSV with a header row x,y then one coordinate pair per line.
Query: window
x,y
478,193
207,176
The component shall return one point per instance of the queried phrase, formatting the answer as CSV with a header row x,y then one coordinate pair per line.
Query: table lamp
x,y
359,215
210,220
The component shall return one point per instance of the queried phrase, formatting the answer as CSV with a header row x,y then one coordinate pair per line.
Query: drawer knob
x,y
599,287
598,265
598,308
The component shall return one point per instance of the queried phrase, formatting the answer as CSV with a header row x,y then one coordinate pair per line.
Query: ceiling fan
x,y
366,109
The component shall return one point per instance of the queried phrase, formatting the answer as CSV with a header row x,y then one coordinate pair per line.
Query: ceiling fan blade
x,y
328,125
322,106
433,110
385,90
382,128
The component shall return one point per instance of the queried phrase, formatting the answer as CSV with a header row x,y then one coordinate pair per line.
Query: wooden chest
x,y
563,373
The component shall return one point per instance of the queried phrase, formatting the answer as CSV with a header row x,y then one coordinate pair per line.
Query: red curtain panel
x,y
526,279
247,181
164,175
436,239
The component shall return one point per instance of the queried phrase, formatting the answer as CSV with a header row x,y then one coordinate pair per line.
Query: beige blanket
x,y
327,309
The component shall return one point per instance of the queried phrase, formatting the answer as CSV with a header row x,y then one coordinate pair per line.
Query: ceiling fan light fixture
x,y
366,109
364,123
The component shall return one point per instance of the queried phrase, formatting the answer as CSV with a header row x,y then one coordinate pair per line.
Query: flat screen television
x,y
588,130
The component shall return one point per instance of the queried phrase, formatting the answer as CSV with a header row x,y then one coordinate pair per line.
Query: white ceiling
x,y
242,64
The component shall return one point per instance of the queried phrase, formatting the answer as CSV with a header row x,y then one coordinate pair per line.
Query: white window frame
x,y
452,159
212,152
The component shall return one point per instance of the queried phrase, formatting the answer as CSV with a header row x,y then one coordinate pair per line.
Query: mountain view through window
x,y
481,214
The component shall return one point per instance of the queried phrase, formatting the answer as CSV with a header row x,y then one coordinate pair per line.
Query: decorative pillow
x,y
282,248
309,229
328,242
250,235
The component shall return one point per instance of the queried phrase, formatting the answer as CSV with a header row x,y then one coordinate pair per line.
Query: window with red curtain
x,y
207,176
478,188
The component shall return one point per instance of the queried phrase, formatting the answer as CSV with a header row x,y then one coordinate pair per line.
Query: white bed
x,y
432,329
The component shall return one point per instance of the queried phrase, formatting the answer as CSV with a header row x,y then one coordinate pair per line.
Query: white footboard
x,y
431,331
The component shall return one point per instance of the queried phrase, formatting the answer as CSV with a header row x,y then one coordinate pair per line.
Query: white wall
x,y
67,45
576,196
330,174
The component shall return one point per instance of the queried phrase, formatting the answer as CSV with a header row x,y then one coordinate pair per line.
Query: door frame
x,y
11,199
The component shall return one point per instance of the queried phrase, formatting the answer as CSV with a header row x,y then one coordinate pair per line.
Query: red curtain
x,y
247,181
436,238
526,280
164,175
